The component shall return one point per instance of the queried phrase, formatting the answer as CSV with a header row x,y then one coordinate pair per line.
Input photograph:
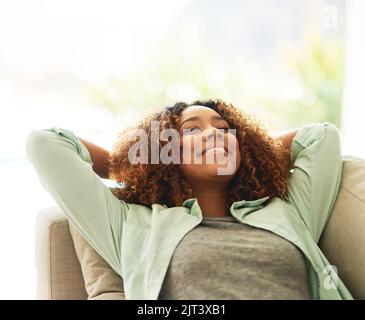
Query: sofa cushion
x,y
59,275
343,239
101,281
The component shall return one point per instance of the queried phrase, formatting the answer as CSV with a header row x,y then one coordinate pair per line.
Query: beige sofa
x,y
59,274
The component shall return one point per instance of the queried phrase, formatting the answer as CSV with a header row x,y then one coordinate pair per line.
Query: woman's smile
x,y
215,150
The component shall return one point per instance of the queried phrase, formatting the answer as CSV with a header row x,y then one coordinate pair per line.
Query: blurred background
x,y
96,66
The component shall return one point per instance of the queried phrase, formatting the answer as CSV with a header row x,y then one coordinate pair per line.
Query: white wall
x,y
353,114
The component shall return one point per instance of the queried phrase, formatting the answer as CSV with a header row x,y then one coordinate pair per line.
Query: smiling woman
x,y
266,247
262,163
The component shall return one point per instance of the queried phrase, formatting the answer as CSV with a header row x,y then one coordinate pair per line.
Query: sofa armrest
x,y
59,275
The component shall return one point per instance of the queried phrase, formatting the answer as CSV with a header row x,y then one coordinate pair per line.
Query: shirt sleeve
x,y
316,174
64,166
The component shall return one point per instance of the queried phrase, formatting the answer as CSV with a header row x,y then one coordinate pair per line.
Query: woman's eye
x,y
192,130
226,130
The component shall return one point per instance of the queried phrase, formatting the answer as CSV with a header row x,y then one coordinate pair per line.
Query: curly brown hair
x,y
264,168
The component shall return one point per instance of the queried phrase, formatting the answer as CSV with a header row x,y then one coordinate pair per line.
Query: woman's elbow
x,y
35,142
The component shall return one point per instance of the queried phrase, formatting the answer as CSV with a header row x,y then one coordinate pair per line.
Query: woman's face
x,y
209,151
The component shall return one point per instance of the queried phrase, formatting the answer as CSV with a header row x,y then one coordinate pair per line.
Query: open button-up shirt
x,y
138,241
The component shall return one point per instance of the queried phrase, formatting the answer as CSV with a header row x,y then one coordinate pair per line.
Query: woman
x,y
185,230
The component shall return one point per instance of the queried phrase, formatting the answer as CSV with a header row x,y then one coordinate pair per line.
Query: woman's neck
x,y
212,201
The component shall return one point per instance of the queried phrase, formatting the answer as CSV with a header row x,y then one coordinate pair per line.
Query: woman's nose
x,y
211,132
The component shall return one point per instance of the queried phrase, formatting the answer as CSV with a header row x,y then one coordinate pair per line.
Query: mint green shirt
x,y
138,242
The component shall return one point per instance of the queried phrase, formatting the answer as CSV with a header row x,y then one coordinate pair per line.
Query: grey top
x,y
224,259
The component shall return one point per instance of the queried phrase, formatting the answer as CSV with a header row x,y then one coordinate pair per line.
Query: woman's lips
x,y
215,150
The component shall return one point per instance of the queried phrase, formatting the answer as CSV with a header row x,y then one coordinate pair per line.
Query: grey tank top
x,y
224,259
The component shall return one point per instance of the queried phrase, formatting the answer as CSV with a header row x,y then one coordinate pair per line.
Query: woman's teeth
x,y
212,150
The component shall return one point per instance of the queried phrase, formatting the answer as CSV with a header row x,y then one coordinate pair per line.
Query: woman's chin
x,y
216,170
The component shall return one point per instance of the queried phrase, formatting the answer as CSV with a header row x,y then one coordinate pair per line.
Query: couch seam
x,y
50,229
363,201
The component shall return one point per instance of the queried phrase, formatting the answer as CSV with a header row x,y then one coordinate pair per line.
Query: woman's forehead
x,y
198,111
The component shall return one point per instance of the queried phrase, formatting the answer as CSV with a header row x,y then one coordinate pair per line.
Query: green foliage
x,y
319,68
184,73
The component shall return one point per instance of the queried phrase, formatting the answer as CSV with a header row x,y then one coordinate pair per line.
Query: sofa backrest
x,y
343,239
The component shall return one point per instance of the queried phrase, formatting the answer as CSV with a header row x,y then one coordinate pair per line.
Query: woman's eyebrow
x,y
198,118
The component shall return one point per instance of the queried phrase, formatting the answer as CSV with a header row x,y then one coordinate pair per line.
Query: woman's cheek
x,y
238,156
188,150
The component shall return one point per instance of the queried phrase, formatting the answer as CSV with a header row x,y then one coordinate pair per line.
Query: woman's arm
x,y
99,157
64,166
315,181
286,138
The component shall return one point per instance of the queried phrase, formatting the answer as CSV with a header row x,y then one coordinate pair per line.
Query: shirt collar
x,y
194,207
249,203
243,206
